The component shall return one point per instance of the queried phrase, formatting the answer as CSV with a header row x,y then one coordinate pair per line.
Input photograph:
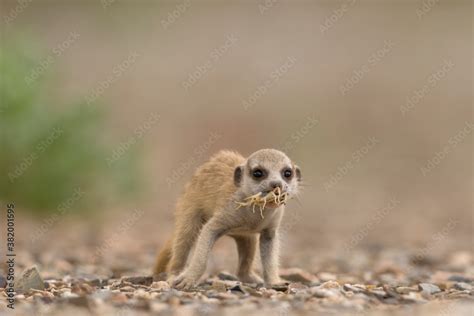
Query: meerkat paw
x,y
184,281
251,277
274,281
171,278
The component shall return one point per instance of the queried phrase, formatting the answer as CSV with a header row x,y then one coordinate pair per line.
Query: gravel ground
x,y
390,283
82,269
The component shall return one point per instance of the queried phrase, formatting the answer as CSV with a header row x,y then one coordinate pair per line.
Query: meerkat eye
x,y
257,173
287,173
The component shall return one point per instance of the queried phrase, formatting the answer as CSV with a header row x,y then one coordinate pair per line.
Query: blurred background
x,y
107,108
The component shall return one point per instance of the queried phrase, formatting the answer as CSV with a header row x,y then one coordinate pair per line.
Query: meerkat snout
x,y
276,184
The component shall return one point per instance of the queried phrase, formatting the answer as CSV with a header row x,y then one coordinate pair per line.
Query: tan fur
x,y
163,258
207,210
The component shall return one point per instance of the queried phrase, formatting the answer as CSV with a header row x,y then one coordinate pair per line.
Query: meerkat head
x,y
265,170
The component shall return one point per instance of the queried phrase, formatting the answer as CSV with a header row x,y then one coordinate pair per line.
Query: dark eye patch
x,y
287,173
258,173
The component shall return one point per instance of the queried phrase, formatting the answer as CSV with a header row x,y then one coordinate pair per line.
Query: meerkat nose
x,y
276,184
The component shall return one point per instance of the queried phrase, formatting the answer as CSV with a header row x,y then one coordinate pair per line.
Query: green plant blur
x,y
50,151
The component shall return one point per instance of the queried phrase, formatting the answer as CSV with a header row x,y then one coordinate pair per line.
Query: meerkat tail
x,y
163,258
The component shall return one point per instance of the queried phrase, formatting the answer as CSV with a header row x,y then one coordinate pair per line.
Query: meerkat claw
x,y
184,282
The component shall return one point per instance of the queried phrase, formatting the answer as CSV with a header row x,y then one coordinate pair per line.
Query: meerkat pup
x,y
207,210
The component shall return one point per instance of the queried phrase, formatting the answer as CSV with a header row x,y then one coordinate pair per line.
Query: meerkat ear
x,y
298,173
238,175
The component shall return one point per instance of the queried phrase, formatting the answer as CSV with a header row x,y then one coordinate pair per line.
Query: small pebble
x,y
160,286
463,286
326,276
227,276
460,278
356,288
30,279
406,289
330,285
322,293
142,280
238,289
127,289
429,288
219,286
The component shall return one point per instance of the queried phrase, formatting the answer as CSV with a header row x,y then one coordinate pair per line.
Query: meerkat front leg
x,y
188,226
208,236
247,247
269,253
